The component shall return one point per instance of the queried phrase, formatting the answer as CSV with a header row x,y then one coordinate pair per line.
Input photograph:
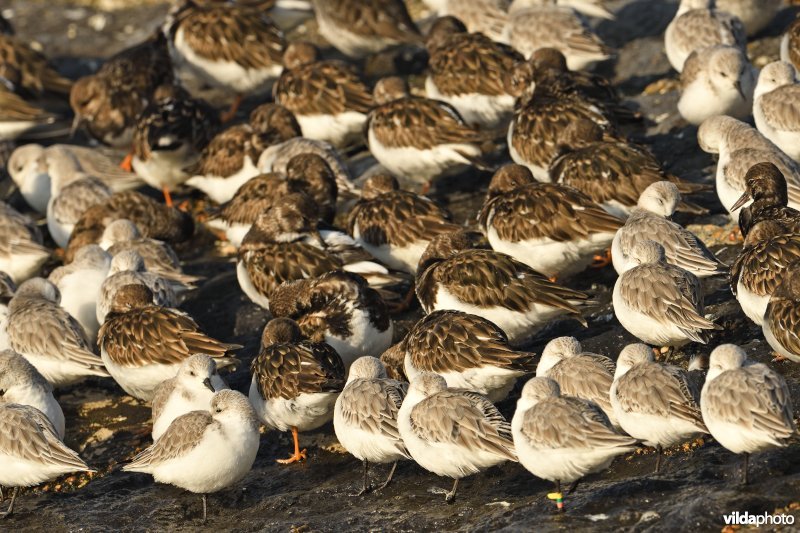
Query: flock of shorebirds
x,y
502,80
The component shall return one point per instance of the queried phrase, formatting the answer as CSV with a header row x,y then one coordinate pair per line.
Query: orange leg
x,y
167,196
553,279
299,455
603,260
127,163
228,115
778,357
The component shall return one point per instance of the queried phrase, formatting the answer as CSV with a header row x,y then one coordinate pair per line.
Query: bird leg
x,y
298,455
127,163
10,510
558,497
572,487
366,488
205,508
228,115
659,449
167,196
602,260
744,468
391,475
449,496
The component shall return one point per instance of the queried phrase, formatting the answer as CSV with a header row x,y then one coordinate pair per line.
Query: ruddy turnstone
x,y
358,28
30,451
143,344
655,403
232,47
107,103
128,268
274,123
746,406
159,257
468,351
365,417
22,384
561,438
22,253
760,267
48,337
419,138
766,187
7,290
80,282
537,132
697,25
718,80
781,323
452,432
535,24
154,220
740,146
611,171
204,451
659,303
467,71
489,17
790,45
453,274
17,116
68,201
754,14
584,375
776,107
394,225
170,136
328,98
192,389
555,230
338,308
284,244
27,71
295,382
649,220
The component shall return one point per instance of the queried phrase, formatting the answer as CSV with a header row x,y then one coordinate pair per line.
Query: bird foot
x,y
601,260
778,358
127,163
449,495
365,490
294,458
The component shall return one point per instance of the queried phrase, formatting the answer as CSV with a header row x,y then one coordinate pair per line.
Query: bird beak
x,y
77,122
207,383
738,85
741,201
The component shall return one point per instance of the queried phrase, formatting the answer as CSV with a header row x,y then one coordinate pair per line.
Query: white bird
x,y
22,253
68,201
47,336
22,384
561,438
584,375
698,25
191,389
746,406
204,452
452,432
79,283
655,403
718,80
776,108
365,417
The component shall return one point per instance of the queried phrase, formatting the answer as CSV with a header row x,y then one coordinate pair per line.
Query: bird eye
x,y
218,410
724,75
2,392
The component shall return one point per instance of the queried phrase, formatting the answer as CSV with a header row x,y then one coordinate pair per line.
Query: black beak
x,y
207,383
741,201
77,122
738,85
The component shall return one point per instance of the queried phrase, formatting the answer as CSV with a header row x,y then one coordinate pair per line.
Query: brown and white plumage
x,y
395,225
18,116
142,344
359,28
28,71
453,274
556,230
781,324
22,253
776,108
468,351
